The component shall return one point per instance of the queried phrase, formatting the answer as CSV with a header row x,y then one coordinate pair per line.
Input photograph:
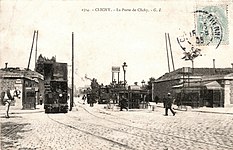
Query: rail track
x,y
129,131
80,127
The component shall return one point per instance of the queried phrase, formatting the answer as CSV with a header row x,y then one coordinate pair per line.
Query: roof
x,y
18,73
177,74
211,85
135,87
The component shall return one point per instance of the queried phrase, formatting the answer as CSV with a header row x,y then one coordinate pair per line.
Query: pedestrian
x,y
41,99
123,103
92,99
6,99
156,99
84,98
168,104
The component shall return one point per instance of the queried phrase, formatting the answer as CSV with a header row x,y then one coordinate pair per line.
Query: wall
x,y
161,89
228,93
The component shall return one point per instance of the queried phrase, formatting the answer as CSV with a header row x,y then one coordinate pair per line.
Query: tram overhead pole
x,y
72,76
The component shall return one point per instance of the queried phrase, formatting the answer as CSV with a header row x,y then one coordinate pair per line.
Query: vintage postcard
x,y
108,74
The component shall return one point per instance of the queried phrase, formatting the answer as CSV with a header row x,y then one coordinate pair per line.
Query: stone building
x,y
197,87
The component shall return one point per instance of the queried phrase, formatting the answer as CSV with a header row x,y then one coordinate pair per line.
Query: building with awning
x,y
213,85
197,87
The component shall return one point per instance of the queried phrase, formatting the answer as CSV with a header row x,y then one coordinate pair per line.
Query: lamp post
x,y
113,94
124,66
143,83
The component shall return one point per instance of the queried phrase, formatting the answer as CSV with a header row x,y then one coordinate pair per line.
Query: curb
x,y
23,112
202,111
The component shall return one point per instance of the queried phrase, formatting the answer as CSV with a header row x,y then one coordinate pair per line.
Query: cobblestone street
x,y
90,128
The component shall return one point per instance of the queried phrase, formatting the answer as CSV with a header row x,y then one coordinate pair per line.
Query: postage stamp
x,y
211,24
211,29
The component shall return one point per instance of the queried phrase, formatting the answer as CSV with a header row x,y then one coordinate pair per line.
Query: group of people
x,y
91,99
123,103
168,101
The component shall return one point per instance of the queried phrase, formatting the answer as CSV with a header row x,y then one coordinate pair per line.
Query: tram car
x,y
104,95
56,87
137,98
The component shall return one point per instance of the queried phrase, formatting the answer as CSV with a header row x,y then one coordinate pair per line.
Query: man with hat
x,y
168,104
123,103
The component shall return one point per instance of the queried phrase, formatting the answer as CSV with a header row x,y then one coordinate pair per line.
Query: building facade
x,y
197,87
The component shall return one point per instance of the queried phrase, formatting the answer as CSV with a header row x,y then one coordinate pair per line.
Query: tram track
x,y
13,127
11,131
78,124
142,137
78,128
153,131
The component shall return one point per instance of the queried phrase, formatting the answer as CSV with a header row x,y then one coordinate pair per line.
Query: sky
x,y
106,37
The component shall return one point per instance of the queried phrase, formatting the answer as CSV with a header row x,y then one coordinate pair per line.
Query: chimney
x,y
6,65
213,63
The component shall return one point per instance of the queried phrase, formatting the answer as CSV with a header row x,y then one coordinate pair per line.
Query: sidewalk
x,y
217,110
17,110
227,110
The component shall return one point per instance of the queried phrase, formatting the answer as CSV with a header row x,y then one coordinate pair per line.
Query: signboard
x,y
18,81
115,69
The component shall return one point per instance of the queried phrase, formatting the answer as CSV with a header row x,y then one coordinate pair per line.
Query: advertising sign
x,y
115,69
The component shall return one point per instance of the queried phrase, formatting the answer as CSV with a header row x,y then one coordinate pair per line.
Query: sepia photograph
x,y
116,75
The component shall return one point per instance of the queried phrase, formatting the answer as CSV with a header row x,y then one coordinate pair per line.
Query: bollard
x,y
153,108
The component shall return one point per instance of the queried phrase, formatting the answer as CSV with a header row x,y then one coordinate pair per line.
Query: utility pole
x,y
167,53
31,49
171,51
72,80
167,40
36,49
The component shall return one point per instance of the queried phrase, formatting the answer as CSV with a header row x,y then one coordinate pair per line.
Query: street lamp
x,y
143,84
113,91
124,66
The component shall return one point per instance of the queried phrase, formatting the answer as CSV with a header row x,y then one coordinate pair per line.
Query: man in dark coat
x,y
92,99
123,103
168,104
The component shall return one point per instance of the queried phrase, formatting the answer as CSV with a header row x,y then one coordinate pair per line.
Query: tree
x,y
149,86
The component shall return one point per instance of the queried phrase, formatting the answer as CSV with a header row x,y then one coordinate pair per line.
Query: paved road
x,y
91,128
